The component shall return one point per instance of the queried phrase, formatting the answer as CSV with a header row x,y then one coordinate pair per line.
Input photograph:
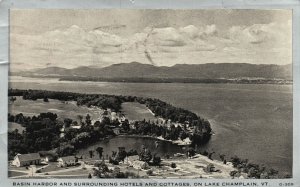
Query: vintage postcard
x,y
151,94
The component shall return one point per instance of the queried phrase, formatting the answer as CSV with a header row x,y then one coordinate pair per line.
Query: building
x,y
47,156
133,161
140,165
67,161
26,159
117,130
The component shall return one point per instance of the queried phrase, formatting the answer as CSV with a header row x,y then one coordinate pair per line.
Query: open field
x,y
137,111
62,109
13,126
78,171
52,166
15,174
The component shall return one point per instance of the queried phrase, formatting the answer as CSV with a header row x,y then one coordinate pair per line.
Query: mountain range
x,y
178,71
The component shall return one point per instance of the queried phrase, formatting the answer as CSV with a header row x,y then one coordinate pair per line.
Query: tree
x,y
105,121
210,155
97,124
156,160
88,120
99,151
125,125
65,149
222,157
173,165
191,152
91,153
235,161
45,99
210,168
121,155
68,122
145,154
80,119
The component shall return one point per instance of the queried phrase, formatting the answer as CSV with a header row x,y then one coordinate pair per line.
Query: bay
x,y
253,121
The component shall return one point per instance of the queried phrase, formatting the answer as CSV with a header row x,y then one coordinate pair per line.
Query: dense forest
x,y
42,133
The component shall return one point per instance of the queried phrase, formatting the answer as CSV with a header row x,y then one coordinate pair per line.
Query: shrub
x,y
129,174
205,153
232,173
149,172
156,160
173,165
210,168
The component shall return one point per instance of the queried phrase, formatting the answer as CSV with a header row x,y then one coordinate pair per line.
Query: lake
x,y
135,143
249,120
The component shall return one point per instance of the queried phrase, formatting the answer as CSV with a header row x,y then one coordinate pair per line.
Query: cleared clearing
x,y
67,109
137,111
13,126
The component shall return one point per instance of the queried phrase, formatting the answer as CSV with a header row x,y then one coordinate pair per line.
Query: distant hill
x,y
179,71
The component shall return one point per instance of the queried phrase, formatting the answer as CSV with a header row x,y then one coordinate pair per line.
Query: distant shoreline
x,y
247,80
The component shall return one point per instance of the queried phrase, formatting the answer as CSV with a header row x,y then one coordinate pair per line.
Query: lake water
x,y
250,121
134,143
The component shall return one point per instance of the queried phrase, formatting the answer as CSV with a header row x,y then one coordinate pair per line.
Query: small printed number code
x,y
286,184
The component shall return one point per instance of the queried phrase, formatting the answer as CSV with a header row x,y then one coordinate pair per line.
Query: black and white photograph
x,y
150,94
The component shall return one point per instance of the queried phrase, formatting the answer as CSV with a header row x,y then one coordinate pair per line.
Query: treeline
x,y
175,80
198,136
114,102
254,170
102,101
143,80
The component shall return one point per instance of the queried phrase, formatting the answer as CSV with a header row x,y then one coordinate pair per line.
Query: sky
x,y
71,38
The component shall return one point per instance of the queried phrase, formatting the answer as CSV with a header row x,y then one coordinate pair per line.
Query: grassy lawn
x,y
51,167
65,177
15,174
137,111
79,171
17,168
13,126
62,109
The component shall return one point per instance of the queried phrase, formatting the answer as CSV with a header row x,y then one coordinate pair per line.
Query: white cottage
x,y
26,159
67,161
136,163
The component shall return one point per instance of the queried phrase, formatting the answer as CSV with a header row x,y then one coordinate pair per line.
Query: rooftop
x,y
67,158
29,156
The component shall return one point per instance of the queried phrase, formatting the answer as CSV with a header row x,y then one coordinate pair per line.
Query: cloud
x,y
75,46
272,33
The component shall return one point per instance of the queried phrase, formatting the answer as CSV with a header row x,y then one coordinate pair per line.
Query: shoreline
x,y
176,142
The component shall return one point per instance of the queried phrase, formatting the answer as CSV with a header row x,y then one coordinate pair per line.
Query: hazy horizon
x,y
157,65
100,38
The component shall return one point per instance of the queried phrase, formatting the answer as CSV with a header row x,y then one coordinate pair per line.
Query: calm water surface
x,y
250,121
134,143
